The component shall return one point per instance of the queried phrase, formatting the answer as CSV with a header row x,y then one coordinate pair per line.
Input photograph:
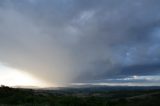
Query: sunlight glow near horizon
x,y
14,77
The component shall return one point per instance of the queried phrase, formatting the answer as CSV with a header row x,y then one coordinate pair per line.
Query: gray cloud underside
x,y
81,40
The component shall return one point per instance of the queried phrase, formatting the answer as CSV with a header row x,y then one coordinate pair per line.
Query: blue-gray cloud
x,y
81,40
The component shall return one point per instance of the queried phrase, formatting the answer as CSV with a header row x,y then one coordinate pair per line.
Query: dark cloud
x,y
146,69
81,40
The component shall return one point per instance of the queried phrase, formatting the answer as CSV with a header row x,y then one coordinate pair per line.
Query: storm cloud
x,y
81,40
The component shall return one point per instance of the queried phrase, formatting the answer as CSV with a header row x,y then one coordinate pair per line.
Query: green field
x,y
78,97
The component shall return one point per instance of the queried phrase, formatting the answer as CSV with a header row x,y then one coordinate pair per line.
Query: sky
x,y
62,42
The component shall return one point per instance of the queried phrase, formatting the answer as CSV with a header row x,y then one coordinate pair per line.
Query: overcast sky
x,y
82,41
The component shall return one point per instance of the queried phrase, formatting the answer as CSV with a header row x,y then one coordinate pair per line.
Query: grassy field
x,y
78,97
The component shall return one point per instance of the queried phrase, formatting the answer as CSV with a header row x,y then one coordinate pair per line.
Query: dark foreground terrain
x,y
91,96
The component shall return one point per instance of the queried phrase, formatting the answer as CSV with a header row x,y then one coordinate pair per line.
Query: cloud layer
x,y
81,40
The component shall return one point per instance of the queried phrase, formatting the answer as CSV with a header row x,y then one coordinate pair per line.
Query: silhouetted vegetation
x,y
76,97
